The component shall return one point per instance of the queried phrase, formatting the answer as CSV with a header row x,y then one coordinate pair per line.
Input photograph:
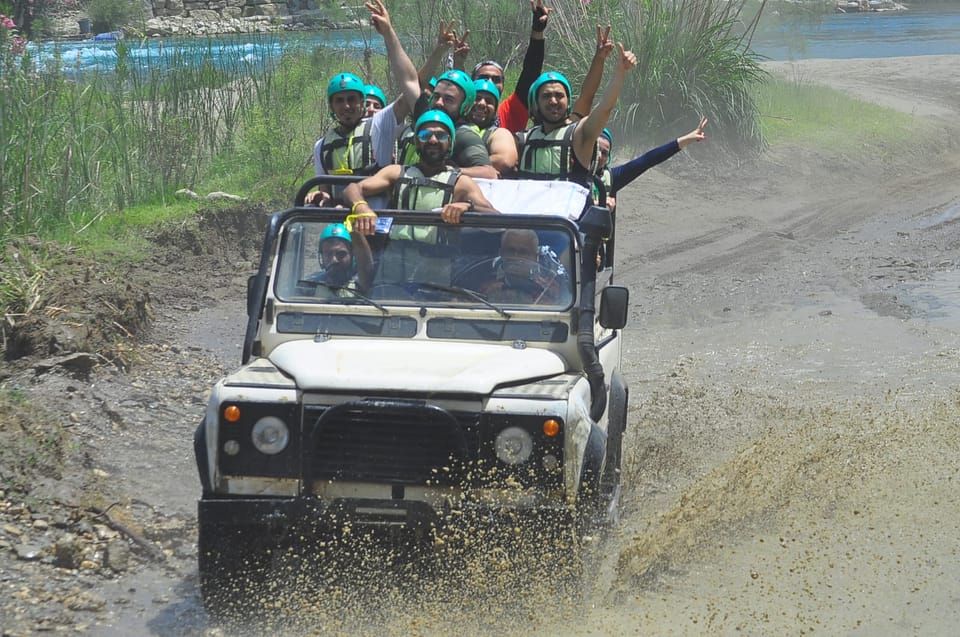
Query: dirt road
x,y
793,361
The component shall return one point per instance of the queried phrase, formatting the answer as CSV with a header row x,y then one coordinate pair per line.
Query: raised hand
x,y
540,15
604,43
447,37
696,135
628,59
379,17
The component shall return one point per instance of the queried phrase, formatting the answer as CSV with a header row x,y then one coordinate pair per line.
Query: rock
x,y
67,552
117,556
185,192
29,552
79,364
84,601
217,194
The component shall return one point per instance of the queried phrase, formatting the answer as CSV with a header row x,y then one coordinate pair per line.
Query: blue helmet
x,y
545,78
343,83
462,81
335,231
436,115
371,90
487,87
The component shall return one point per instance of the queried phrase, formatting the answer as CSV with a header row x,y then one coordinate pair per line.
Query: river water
x,y
923,30
918,31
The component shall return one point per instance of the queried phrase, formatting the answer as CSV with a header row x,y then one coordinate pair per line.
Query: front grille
x,y
395,441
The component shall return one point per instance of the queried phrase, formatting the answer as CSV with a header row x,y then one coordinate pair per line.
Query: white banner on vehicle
x,y
532,196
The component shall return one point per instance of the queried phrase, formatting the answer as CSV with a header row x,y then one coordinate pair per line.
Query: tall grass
x,y
76,149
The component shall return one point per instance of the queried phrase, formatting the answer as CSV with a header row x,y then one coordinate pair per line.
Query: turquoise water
x,y
919,31
929,30
231,52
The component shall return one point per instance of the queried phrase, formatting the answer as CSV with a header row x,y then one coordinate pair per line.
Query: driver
x,y
343,267
525,272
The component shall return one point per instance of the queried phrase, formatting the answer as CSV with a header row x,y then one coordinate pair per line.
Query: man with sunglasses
x,y
512,112
430,184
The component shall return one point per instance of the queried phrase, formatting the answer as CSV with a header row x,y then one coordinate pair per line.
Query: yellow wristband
x,y
348,222
353,209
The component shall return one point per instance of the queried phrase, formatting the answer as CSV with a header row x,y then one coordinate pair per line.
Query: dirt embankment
x,y
792,357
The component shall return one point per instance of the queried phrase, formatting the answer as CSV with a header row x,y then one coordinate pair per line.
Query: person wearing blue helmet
x,y
373,100
454,95
346,263
560,146
354,145
501,146
430,184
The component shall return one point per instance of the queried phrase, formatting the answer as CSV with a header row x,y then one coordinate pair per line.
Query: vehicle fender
x,y
200,453
592,468
616,425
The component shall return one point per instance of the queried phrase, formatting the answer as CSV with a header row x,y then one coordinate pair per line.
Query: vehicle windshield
x,y
514,265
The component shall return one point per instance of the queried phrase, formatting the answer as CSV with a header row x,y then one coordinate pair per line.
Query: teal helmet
x,y
344,82
436,115
487,87
335,231
433,82
465,84
545,78
371,90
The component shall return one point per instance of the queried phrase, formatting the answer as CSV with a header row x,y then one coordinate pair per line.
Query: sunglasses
x,y
496,79
425,135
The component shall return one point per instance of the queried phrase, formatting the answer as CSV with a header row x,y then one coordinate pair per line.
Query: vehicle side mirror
x,y
614,304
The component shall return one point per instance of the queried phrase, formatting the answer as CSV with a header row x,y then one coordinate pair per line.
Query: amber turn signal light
x,y
231,413
551,427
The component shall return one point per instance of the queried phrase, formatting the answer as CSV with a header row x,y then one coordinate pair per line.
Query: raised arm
x,y
400,65
445,40
363,257
591,83
533,58
589,128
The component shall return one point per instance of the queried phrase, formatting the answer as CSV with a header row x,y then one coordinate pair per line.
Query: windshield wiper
x,y
337,288
455,289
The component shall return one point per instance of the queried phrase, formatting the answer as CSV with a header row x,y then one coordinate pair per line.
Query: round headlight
x,y
513,445
270,435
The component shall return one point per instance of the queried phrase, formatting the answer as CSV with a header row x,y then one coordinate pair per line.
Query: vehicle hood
x,y
411,365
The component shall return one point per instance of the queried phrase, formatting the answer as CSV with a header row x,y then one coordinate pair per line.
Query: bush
x,y
109,15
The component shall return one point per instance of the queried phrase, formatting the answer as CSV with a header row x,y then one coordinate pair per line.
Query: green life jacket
x,y
551,156
350,154
407,154
416,191
483,133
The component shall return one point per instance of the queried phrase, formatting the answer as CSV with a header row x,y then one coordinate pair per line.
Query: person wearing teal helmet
x,y
355,146
501,146
559,146
430,184
373,100
512,113
346,262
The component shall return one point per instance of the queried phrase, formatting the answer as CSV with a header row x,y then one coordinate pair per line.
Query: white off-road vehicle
x,y
455,382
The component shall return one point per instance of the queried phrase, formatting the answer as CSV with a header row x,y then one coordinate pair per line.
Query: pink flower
x,y
7,22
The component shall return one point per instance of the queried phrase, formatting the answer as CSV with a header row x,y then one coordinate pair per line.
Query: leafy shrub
x,y
113,14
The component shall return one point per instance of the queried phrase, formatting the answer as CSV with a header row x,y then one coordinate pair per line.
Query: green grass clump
x,y
796,111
